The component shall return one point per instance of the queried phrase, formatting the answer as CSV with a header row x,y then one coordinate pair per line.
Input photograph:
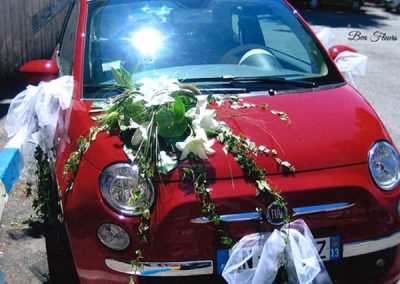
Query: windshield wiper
x,y
263,79
223,90
103,87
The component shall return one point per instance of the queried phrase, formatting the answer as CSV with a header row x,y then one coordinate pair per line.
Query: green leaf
x,y
117,76
179,110
171,120
123,77
188,98
128,111
136,111
188,171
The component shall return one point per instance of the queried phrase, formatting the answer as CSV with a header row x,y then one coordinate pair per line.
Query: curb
x,y
10,169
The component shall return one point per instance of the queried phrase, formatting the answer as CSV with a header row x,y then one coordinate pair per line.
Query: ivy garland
x,y
202,189
152,121
45,195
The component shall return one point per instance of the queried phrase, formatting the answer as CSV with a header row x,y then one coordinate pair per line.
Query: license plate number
x,y
329,248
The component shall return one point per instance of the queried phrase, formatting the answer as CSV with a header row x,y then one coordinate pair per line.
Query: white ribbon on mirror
x,y
33,116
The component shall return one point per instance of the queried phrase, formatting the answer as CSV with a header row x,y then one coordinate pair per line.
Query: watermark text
x,y
376,36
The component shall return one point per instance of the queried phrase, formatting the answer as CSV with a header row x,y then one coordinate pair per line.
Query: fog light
x,y
113,236
380,263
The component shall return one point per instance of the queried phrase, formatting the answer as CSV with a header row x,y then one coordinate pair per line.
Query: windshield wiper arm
x,y
223,90
263,79
103,86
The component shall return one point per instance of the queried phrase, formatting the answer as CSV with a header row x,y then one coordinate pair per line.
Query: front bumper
x,y
366,219
202,267
370,246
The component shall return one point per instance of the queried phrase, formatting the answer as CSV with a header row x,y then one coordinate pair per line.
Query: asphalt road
x,y
28,253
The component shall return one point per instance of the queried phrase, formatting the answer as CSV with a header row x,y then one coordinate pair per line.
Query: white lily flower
x,y
166,163
157,91
197,144
133,124
140,134
203,117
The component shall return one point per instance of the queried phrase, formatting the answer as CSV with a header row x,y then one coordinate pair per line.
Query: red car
x,y
346,184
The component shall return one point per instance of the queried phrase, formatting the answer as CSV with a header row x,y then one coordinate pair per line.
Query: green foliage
x,y
171,120
186,96
123,77
72,164
144,225
243,152
45,201
202,189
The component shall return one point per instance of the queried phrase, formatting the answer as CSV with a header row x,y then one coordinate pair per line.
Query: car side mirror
x,y
336,49
39,70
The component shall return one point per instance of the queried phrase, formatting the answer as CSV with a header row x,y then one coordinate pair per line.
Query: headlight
x,y
384,164
113,236
118,181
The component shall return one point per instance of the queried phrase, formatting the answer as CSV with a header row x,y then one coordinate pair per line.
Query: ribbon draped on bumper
x,y
293,244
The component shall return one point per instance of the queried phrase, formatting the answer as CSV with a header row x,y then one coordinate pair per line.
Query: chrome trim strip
x,y
238,217
321,208
166,269
369,246
299,211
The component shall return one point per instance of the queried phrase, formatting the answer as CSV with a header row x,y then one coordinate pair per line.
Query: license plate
x,y
329,248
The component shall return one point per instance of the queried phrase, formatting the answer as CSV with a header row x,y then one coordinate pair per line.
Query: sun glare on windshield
x,y
147,41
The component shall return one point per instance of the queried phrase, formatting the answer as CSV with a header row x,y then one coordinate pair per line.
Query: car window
x,y
199,38
67,45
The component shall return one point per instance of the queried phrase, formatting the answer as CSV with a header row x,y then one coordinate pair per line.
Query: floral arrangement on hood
x,y
163,123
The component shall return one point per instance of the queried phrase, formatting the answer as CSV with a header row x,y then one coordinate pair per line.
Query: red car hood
x,y
325,129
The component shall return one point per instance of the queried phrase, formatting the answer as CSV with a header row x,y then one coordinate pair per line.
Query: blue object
x,y
10,167
336,248
154,271
222,259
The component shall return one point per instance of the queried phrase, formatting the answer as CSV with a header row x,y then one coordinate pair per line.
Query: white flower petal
x,y
180,145
166,163
201,105
140,134
197,144
200,151
137,137
191,113
200,134
185,153
157,91
133,124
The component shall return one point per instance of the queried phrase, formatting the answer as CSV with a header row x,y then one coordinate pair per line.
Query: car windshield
x,y
207,42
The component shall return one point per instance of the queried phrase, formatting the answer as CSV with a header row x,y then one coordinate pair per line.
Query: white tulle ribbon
x,y
294,244
33,115
349,63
